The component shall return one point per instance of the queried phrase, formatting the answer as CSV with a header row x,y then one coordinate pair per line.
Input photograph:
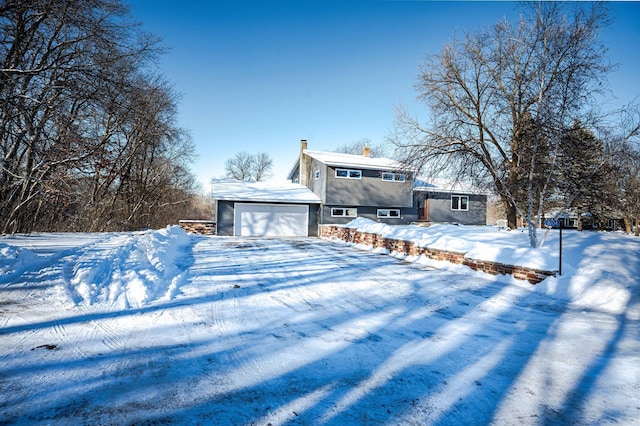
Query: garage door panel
x,y
271,220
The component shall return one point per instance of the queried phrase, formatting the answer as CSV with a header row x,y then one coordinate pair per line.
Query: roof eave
x,y
296,165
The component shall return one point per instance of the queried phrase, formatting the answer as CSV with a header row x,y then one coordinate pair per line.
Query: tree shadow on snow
x,y
446,349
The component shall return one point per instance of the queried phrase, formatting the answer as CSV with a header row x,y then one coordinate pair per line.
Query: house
x,y
350,186
443,201
261,209
569,220
335,188
383,190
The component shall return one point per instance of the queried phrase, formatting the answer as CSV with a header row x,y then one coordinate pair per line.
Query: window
x,y
388,213
348,174
393,177
344,212
460,202
316,174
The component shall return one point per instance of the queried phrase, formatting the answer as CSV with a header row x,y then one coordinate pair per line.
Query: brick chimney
x,y
303,167
366,151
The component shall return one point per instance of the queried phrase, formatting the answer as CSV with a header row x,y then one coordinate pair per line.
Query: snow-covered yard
x,y
159,327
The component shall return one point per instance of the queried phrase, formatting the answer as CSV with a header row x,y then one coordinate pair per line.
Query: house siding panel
x,y
318,186
225,218
407,215
367,191
440,209
314,213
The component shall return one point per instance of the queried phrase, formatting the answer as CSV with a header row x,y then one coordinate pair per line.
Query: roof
x,y
447,186
350,160
233,190
338,159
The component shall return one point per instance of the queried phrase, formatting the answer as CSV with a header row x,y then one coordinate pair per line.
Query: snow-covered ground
x,y
168,328
598,270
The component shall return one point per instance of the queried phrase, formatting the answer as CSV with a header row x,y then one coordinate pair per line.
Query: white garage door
x,y
271,220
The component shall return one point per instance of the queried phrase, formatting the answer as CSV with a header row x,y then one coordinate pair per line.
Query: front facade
x,y
335,188
351,186
383,190
439,201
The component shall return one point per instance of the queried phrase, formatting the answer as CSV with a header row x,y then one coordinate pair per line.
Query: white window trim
x,y
460,202
395,177
316,174
344,211
348,176
386,213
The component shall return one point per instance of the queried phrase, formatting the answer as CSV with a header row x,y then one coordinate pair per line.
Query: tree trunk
x,y
512,216
579,222
627,225
637,233
602,225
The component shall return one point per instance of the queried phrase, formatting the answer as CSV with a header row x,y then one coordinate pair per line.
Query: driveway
x,y
308,331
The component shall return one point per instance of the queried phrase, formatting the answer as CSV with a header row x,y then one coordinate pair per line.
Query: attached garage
x,y
271,220
259,209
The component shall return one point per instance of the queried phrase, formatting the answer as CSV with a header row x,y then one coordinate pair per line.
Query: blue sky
x,y
261,75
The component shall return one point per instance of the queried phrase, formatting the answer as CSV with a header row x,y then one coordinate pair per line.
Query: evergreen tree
x,y
532,171
582,177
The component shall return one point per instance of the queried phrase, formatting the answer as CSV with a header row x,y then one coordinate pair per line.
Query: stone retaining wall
x,y
351,235
202,227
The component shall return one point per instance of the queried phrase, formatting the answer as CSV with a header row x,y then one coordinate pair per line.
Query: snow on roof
x,y
351,160
445,185
233,190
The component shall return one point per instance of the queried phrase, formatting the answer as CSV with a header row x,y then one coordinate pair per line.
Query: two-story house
x,y
350,186
335,188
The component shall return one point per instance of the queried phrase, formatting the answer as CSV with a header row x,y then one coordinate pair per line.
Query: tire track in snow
x,y
36,266
251,302
41,286
108,336
97,331
301,326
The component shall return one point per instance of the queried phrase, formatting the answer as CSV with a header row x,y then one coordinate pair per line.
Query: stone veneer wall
x,y
351,235
203,227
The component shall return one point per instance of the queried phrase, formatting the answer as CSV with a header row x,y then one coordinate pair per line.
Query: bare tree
x,y
501,98
87,134
357,148
249,167
623,147
262,165
240,166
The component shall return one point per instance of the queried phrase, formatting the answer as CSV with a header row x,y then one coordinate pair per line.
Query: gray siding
x,y
314,214
440,208
407,215
226,210
318,186
371,190
295,174
225,218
